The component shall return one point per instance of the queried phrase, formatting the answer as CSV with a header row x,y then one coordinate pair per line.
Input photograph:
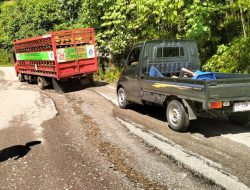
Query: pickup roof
x,y
185,98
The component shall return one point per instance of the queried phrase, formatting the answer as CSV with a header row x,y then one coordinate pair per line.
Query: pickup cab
x,y
184,98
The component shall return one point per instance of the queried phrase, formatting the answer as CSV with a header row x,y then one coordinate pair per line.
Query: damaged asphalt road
x,y
81,140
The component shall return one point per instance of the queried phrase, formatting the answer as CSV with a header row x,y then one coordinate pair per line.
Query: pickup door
x,y
131,75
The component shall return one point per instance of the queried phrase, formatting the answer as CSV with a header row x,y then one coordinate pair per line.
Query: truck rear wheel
x,y
177,116
122,98
41,82
21,77
91,80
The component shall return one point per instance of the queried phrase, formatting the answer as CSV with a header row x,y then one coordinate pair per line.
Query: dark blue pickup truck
x,y
185,98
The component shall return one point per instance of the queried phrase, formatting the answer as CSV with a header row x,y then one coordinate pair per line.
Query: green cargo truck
x,y
185,98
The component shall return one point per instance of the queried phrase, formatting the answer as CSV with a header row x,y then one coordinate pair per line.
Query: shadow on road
x,y
17,151
211,127
208,127
76,85
152,111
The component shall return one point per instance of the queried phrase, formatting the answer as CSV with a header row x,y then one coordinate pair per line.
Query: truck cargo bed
x,y
61,54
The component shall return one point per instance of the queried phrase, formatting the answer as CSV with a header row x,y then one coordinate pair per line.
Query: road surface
x,y
82,140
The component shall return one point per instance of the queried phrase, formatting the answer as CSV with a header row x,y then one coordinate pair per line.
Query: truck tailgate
x,y
229,89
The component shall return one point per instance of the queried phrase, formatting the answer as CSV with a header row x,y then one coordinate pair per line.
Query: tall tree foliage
x,y
221,27
21,19
233,47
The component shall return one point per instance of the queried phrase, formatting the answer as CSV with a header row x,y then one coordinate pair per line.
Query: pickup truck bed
x,y
227,87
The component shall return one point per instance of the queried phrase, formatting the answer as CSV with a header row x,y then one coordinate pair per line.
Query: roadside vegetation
x,y
221,28
110,74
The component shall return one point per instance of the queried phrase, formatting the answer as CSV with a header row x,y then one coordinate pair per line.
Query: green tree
x,y
221,28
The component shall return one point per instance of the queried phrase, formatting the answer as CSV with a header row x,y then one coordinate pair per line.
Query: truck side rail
x,y
181,87
228,89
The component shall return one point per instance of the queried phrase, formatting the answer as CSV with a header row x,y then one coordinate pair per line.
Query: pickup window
x,y
169,52
133,57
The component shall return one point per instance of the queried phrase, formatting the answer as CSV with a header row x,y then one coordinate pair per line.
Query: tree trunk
x,y
243,22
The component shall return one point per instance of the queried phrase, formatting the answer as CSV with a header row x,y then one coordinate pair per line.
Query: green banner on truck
x,y
36,56
63,54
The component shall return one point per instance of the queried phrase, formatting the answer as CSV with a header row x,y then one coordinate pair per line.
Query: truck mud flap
x,y
191,110
57,86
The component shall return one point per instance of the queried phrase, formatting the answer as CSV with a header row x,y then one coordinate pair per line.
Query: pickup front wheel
x,y
177,116
122,98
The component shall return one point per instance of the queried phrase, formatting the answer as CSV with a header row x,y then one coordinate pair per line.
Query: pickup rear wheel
x,y
177,116
122,98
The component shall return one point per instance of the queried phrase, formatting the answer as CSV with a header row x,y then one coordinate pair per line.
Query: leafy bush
x,y
234,57
110,75
5,57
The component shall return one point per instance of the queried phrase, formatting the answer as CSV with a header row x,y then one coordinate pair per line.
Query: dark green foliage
x,y
234,57
5,57
221,28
